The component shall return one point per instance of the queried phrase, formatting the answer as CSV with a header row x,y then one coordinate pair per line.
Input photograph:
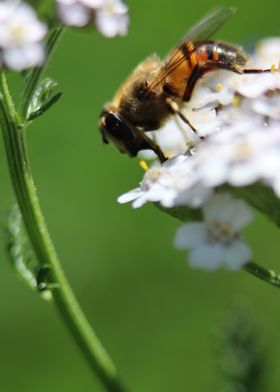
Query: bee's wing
x,y
203,30
208,25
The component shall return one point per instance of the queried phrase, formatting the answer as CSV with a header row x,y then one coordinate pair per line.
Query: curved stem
x,y
267,275
28,201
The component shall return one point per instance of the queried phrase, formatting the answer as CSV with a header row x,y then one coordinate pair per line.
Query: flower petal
x,y
208,256
237,254
129,196
75,14
190,235
24,57
224,208
243,215
112,19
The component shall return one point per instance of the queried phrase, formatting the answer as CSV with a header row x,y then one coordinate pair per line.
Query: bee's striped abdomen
x,y
219,52
197,58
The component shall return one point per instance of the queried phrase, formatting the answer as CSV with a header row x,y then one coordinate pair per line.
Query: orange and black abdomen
x,y
194,59
219,52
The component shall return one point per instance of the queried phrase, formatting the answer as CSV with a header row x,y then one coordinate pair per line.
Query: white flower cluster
x,y
238,117
21,35
109,16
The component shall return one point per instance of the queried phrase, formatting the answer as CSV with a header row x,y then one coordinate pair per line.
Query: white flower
x,y
170,184
21,35
216,242
109,16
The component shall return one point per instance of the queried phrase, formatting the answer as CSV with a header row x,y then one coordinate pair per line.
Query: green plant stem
x,y
267,275
34,77
25,190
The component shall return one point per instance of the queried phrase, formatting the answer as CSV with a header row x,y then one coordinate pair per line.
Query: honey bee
x,y
156,90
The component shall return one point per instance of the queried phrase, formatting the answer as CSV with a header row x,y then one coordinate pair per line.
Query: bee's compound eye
x,y
118,128
115,128
113,122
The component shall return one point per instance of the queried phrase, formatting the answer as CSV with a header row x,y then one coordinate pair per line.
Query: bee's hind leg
x,y
210,66
255,70
239,70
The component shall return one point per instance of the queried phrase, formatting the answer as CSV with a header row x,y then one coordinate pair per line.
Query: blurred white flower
x,y
268,106
109,16
255,86
239,159
73,13
267,52
19,25
112,18
216,241
21,35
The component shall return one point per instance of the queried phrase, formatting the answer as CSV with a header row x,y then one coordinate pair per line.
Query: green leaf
x,y
43,98
20,253
183,213
45,107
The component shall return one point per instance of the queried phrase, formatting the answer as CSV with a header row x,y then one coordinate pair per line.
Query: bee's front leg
x,y
148,143
174,108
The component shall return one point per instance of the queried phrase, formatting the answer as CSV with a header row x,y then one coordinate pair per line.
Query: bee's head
x,y
127,138
115,128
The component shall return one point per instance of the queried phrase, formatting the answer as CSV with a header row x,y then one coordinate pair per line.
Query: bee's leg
x,y
197,73
208,66
240,70
256,70
174,108
237,69
148,143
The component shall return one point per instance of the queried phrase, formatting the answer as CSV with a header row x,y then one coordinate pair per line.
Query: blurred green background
x,y
155,315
